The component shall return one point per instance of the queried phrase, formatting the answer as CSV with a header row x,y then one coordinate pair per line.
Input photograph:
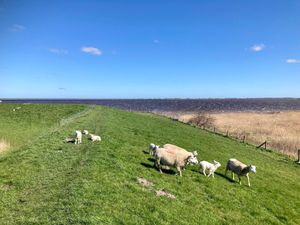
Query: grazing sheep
x,y
85,132
175,158
94,137
152,148
211,167
78,137
176,148
239,168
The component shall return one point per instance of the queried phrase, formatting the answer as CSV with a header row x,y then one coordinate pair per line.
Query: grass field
x,y
46,181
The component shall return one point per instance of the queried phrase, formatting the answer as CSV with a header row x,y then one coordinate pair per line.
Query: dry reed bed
x,y
281,130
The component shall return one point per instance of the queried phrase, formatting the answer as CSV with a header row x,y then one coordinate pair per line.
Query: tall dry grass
x,y
281,130
4,145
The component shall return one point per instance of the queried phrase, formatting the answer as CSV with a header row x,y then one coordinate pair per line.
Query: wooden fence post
x,y
263,144
244,137
299,156
227,133
214,130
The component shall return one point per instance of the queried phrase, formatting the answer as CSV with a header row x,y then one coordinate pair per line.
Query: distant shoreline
x,y
177,105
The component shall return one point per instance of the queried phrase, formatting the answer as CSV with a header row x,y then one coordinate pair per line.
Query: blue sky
x,y
149,49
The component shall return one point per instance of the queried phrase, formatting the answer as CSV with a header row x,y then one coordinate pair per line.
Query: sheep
x,y
152,148
176,148
239,168
78,137
175,158
85,132
211,167
94,137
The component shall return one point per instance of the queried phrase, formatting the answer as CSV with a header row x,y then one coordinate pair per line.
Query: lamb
x,y
78,137
211,167
175,158
94,137
240,169
85,132
152,148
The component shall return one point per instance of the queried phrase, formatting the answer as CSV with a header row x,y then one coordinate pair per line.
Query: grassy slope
x,y
49,181
31,120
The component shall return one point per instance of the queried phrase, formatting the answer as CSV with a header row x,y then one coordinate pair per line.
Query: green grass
x,y
29,121
46,181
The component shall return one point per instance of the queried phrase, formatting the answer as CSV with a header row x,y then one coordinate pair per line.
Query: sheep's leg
x,y
232,175
159,166
240,180
204,172
209,174
248,180
160,169
179,170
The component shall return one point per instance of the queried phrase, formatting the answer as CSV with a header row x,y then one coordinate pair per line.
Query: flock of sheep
x,y
78,137
172,155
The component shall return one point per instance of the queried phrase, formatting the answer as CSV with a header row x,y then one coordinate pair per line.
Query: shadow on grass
x,y
164,170
145,152
225,177
151,159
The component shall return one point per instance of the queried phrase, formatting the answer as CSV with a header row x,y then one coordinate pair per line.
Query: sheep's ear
x,y
195,153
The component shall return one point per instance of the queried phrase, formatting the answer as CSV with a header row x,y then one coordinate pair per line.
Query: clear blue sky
x,y
149,49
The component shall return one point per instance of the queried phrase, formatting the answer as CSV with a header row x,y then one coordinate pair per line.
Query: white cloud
x,y
58,51
17,28
257,47
293,61
92,50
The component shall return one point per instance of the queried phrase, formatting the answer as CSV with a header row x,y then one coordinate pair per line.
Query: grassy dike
x,y
46,181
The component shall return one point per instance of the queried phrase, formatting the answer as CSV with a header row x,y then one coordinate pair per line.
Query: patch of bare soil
x,y
6,187
143,182
161,192
4,145
148,184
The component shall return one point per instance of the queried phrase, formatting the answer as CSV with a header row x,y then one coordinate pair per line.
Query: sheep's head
x,y
153,146
192,160
217,164
78,132
252,168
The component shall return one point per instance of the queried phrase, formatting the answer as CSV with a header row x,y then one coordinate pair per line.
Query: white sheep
x,y
152,148
239,168
177,148
211,167
94,137
175,158
78,137
85,132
